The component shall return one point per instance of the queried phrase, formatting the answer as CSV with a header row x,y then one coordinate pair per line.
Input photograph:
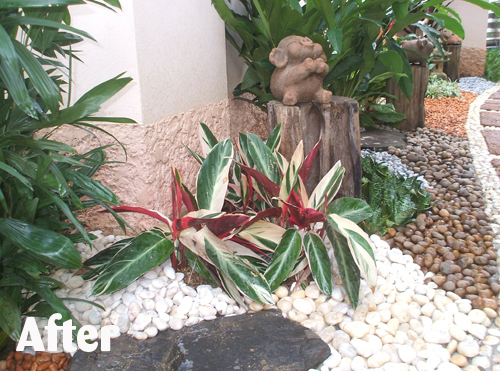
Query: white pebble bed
x,y
404,324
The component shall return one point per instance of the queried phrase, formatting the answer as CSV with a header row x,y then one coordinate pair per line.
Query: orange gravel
x,y
449,114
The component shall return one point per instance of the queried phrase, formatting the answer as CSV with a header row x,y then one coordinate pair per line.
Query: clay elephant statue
x,y
418,50
300,70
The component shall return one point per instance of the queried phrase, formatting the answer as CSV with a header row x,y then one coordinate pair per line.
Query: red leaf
x,y
188,200
268,184
223,226
141,210
307,164
273,212
249,245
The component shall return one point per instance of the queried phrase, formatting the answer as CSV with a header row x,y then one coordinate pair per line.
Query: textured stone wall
x,y
144,179
472,61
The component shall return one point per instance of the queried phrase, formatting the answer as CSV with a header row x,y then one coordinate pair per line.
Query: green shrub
x,y
439,88
43,183
393,199
492,68
250,225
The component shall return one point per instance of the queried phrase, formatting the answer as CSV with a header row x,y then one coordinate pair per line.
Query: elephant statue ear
x,y
278,57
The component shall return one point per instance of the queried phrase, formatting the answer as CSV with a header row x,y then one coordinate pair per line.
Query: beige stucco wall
x,y
144,179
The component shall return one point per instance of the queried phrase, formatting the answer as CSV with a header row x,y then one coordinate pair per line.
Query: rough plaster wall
x,y
246,117
472,61
474,22
144,180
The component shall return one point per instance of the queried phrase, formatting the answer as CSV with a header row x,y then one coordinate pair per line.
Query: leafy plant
x,y
492,67
393,199
357,37
250,225
439,88
43,183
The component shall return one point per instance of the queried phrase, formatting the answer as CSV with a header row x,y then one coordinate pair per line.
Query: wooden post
x,y
337,123
414,109
452,67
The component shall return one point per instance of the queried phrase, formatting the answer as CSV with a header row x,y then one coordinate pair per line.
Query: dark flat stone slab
x,y
496,164
492,138
495,95
380,140
489,118
263,341
491,105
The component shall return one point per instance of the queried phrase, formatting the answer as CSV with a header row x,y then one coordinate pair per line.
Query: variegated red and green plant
x,y
250,225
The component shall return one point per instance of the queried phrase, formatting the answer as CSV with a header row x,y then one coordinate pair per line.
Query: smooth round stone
x,y
358,364
189,291
356,329
347,350
314,324
169,272
255,307
378,360
298,294
363,348
333,360
151,275
438,333
75,282
185,306
465,307
133,310
146,294
161,306
373,318
282,292
491,340
151,331
401,311
428,309
123,323
481,361
207,310
157,284
468,348
478,331
142,321
128,298
459,360
337,294
175,323
457,333
303,306
139,335
407,353
477,316
95,317
284,305
462,321
312,291
333,318
149,304
82,306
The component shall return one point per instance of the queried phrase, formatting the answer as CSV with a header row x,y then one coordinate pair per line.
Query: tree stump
x,y
414,109
452,67
337,124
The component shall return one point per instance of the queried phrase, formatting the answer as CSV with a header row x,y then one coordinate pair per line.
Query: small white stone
x,y
114,331
356,329
139,335
303,306
95,317
491,340
337,294
185,306
177,299
207,310
477,316
175,323
481,361
161,306
75,282
457,333
133,310
462,320
189,291
362,347
447,366
123,323
157,284
284,305
333,360
151,331
438,333
468,348
407,353
333,318
478,331
146,294
312,291
378,360
151,275
282,292
255,307
401,311
149,304
169,272
141,321
128,298
358,364
160,324
82,306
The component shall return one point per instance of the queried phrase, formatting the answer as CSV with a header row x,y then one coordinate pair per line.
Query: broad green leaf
x,y
354,209
450,23
405,82
349,271
360,246
263,158
50,246
43,84
142,254
213,177
92,186
274,140
335,38
11,78
10,316
264,235
15,174
284,259
327,188
207,139
199,267
245,277
319,262
292,172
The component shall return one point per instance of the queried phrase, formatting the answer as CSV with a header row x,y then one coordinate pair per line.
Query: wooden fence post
x,y
337,123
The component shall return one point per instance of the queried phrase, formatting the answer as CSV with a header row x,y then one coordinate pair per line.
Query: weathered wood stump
x,y
452,67
337,124
414,109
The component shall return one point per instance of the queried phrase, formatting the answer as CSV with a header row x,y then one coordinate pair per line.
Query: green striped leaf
x,y
10,316
349,271
284,259
263,158
264,235
246,278
213,177
207,138
327,188
142,254
319,262
354,209
292,172
274,140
